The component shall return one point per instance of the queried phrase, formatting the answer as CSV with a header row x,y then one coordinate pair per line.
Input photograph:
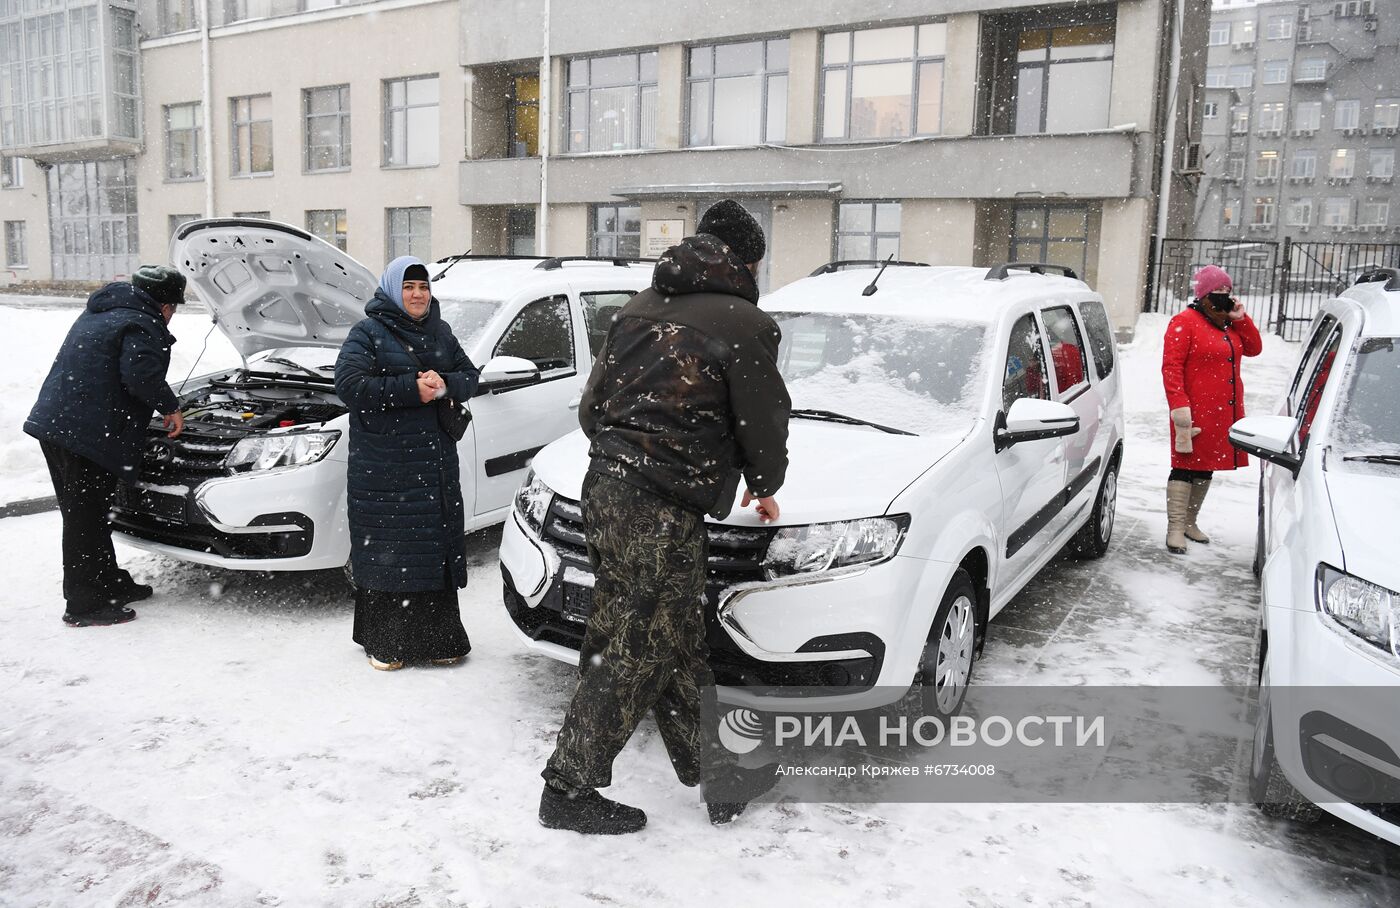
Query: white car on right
x,y
1328,730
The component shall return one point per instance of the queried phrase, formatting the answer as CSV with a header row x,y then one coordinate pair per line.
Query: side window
x,y
542,334
1322,371
1305,367
1100,336
1066,350
598,311
1025,364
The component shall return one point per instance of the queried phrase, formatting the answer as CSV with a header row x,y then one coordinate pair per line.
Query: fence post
x,y
1153,278
1285,271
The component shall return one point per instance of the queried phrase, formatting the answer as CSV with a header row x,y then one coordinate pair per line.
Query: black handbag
x,y
452,417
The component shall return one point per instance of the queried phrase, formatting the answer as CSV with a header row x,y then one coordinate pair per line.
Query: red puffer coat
x,y
1201,370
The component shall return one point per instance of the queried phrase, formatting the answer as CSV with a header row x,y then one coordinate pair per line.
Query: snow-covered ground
x,y
232,748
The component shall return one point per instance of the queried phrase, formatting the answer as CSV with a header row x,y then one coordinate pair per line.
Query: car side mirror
x,y
506,373
1269,438
1031,419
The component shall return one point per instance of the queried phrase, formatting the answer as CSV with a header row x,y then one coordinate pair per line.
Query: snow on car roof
x,y
933,293
502,279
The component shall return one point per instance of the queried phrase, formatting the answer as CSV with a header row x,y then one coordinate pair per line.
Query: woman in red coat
x,y
1201,356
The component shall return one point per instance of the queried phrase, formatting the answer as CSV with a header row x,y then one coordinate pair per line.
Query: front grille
x,y
735,553
196,455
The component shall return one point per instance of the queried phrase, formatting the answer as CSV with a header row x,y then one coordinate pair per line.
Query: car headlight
x,y
532,501
289,449
1360,608
828,546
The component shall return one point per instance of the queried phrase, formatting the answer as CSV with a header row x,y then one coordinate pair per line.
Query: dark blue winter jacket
x,y
404,494
107,381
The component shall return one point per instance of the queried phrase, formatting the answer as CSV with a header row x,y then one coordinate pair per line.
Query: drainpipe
x,y
207,102
546,114
1168,141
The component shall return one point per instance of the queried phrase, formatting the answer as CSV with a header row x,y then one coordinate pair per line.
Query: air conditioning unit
x,y
1379,179
1384,130
1338,181
1351,130
1296,180
1193,158
1270,133
1305,132
1370,24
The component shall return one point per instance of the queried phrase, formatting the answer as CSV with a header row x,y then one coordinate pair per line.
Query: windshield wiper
x,y
286,362
1393,459
832,416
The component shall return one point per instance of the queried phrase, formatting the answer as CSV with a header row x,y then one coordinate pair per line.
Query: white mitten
x,y
1185,432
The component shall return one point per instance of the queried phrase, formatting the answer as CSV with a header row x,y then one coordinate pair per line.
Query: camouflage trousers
x,y
644,647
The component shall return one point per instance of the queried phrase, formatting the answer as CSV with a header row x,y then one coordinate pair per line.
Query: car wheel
x,y
945,665
1093,538
1269,788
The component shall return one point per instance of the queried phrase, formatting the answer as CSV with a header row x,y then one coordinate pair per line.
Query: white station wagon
x,y
257,479
952,431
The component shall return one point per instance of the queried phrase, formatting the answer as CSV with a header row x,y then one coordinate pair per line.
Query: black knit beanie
x,y
415,273
732,224
162,283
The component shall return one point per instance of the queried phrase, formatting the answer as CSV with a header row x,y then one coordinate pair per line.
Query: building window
x,y
612,102
617,230
524,116
1337,212
125,86
410,232
867,231
1239,76
1386,114
184,127
1263,212
1300,213
1382,163
1266,165
1348,9
738,93
1230,214
1307,116
1279,28
1063,78
1216,76
1376,213
177,15
16,255
255,215
1219,34
1346,115
252,134
1271,117
1275,72
520,231
411,122
1210,110
93,229
883,82
1239,120
1342,166
176,221
1304,165
1234,166
329,224
327,127
1245,33
1054,234
59,50
1313,69
11,173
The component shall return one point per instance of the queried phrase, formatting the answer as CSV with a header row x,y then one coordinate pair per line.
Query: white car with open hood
x,y
257,480
952,431
1328,727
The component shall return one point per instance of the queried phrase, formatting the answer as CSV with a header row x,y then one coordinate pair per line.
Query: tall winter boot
x,y
1199,488
1178,500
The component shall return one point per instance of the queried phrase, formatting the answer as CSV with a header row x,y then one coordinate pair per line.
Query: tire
x,y
951,642
1091,542
1269,788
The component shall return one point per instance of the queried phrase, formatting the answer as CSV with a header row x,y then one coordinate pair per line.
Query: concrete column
x,y
1137,44
801,240
960,75
559,105
1122,258
568,230
804,80
670,95
938,231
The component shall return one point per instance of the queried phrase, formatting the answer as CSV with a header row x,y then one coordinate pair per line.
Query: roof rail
x,y
1002,271
1391,276
557,262
480,256
833,267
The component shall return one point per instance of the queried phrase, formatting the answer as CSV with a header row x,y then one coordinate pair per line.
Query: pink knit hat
x,y
1210,279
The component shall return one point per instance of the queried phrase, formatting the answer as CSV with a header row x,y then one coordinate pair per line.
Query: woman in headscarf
x,y
404,497
1201,356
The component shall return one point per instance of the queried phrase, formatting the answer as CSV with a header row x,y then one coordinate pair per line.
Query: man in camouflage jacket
x,y
685,399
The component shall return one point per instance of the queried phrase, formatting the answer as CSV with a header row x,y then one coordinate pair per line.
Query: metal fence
x,y
1282,284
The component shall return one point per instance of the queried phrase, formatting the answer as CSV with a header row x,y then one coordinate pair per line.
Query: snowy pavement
x,y
232,748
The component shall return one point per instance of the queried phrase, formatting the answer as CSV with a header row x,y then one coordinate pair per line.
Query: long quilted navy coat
x,y
404,493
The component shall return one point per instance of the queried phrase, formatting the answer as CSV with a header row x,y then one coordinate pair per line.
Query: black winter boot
x,y
102,617
742,785
588,812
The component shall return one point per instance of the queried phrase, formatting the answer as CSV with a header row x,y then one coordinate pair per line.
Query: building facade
x,y
1301,122
936,131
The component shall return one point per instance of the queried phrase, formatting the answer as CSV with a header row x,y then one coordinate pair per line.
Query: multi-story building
x,y
929,130
1302,114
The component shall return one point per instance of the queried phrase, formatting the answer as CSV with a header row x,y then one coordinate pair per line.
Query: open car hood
x,y
270,285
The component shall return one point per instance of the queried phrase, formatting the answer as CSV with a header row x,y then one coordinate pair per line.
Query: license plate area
x,y
165,507
578,603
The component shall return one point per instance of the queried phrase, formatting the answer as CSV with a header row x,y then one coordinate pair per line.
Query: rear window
x,y
1100,336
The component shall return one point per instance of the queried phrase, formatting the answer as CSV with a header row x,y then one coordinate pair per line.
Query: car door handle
x,y
573,404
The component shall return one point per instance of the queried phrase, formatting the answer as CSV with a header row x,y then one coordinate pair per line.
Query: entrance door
x,y
762,210
92,219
